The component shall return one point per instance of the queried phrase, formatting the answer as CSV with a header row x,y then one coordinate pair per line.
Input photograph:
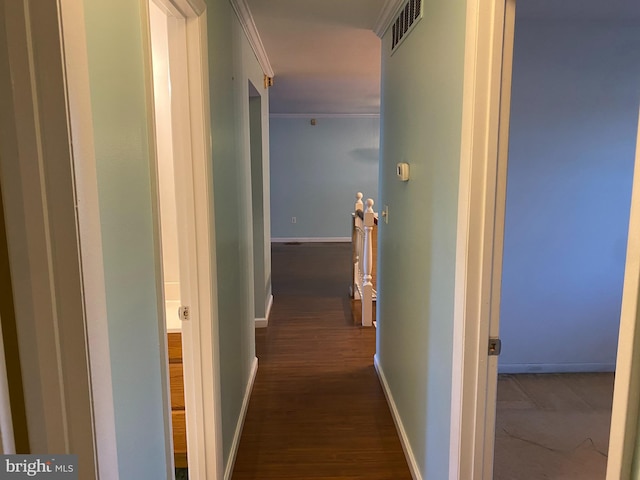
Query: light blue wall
x,y
257,200
575,97
316,172
232,64
118,101
422,123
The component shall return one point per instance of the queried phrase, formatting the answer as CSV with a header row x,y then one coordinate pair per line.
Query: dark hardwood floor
x,y
317,410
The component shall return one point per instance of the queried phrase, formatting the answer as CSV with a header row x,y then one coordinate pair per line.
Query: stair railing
x,y
363,289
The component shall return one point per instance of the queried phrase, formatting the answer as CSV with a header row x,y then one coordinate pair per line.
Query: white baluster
x,y
367,286
357,247
357,266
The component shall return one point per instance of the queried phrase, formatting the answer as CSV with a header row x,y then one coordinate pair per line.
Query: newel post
x,y
359,205
367,287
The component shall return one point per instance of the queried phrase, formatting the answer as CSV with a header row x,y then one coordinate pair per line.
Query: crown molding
x,y
182,8
386,16
198,6
249,26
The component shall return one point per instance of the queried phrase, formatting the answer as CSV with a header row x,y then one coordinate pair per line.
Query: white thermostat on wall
x,y
402,170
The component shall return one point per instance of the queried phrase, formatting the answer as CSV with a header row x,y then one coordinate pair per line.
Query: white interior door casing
x,y
186,28
624,415
474,370
51,198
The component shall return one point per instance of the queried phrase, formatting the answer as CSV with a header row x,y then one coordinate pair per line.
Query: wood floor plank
x,y
317,410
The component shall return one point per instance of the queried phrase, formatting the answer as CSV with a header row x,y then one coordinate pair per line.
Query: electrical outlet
x,y
294,219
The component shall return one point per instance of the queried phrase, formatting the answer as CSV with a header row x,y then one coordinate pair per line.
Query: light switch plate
x,y
402,171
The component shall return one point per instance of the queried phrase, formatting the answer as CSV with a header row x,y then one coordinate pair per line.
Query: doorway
x,y
572,145
483,192
166,157
486,109
185,216
262,297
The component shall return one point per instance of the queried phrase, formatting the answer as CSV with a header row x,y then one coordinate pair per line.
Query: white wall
x,y
576,90
316,171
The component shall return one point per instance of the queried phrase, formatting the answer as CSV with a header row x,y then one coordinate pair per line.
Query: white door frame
x,y
482,191
194,198
68,393
624,416
479,225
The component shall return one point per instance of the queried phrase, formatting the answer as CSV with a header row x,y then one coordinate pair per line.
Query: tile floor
x,y
553,426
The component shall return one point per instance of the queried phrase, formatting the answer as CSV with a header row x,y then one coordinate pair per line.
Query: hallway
x,y
317,410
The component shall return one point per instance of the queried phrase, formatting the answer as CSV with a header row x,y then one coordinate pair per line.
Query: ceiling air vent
x,y
410,14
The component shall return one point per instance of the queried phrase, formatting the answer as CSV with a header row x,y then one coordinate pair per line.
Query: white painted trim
x,y
624,415
311,240
471,437
198,7
182,8
499,201
386,16
243,414
205,340
45,255
404,440
264,322
249,26
517,368
324,115
194,200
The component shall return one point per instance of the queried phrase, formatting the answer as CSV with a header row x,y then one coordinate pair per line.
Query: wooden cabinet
x,y
176,379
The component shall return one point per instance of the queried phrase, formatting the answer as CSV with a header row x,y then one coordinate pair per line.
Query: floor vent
x,y
405,21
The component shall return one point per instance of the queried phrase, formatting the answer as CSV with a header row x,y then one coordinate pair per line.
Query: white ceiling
x,y
324,53
326,57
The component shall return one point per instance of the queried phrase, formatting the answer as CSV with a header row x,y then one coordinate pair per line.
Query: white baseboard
x,y
515,368
310,239
264,322
243,413
404,440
